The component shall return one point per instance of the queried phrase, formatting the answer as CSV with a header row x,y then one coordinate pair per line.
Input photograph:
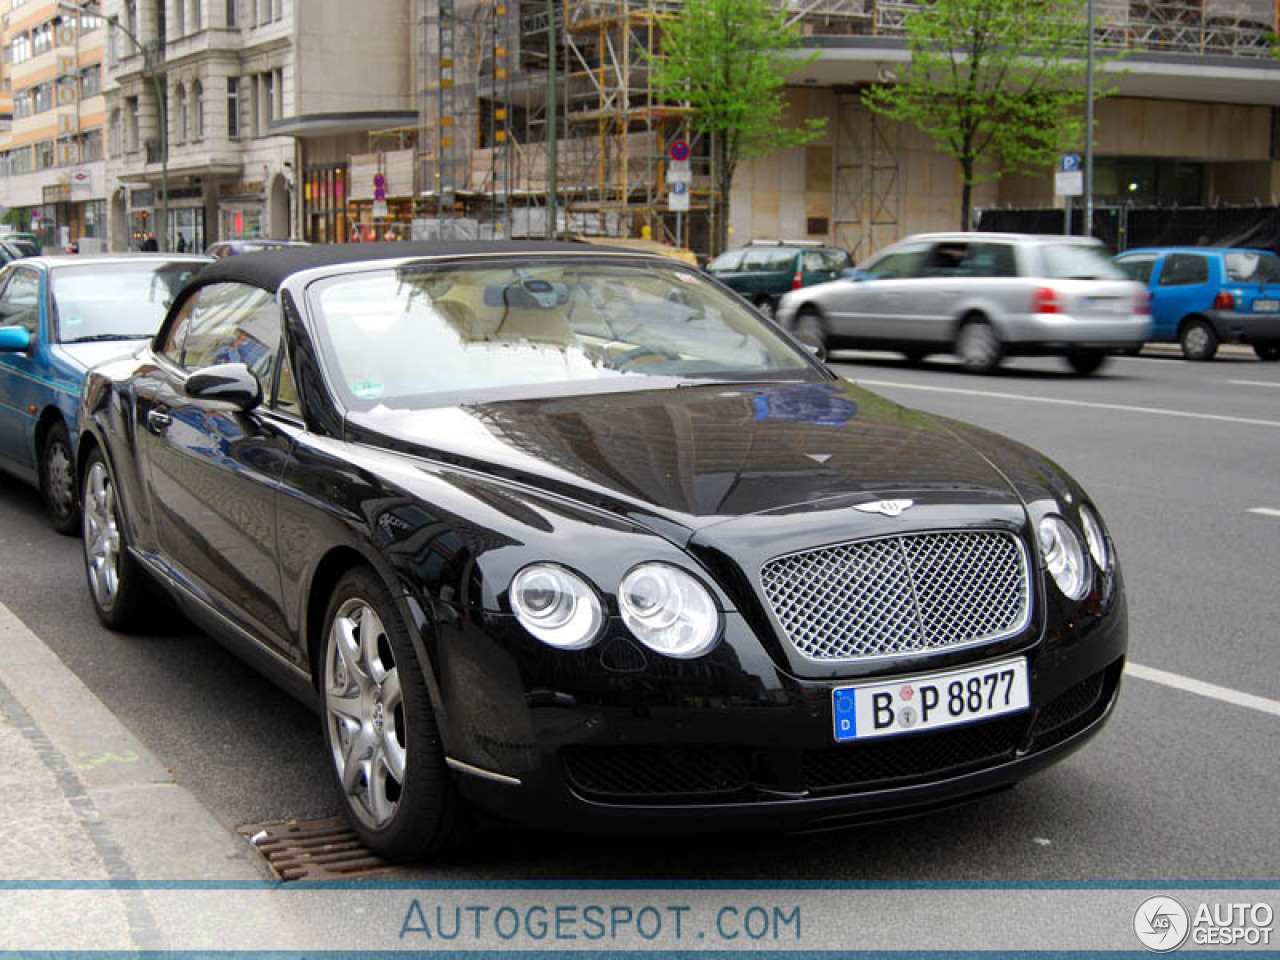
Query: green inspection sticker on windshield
x,y
367,389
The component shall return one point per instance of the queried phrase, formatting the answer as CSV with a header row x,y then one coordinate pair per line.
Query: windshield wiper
x,y
104,337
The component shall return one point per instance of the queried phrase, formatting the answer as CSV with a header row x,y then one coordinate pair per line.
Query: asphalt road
x,y
1180,786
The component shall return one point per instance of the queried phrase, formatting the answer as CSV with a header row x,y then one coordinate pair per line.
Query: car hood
x,y
89,355
703,455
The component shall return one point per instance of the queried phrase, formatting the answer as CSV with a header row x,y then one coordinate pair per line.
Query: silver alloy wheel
x,y
978,347
59,476
365,712
1196,340
101,535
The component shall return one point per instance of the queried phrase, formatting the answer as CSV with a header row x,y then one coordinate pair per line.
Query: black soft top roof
x,y
268,269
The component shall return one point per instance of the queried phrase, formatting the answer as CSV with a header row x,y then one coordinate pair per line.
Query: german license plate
x,y
911,704
1266,306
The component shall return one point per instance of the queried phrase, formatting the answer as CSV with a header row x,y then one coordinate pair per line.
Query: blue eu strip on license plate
x,y
910,704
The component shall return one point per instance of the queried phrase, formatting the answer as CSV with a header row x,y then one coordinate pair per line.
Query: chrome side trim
x,y
480,772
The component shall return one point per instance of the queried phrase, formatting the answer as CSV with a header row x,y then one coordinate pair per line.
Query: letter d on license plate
x,y
910,704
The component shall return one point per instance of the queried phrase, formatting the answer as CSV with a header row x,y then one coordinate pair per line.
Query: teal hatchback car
x,y
60,316
1204,296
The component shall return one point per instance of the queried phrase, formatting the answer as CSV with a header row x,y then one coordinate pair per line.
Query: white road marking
x,y
1254,383
1210,690
1265,511
1156,411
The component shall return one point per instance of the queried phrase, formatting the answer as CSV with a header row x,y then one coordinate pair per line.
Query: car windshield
x,y
1076,261
419,330
1251,266
116,301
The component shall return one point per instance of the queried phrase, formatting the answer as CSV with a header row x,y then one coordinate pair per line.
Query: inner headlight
x,y
1095,538
668,610
556,606
1063,556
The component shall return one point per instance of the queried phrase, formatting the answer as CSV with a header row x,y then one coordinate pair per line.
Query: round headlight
x,y
668,610
1063,556
1095,538
556,606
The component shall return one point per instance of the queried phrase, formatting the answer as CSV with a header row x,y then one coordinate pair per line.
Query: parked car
x,y
28,243
231,248
764,270
9,252
982,296
578,537
58,317
1204,296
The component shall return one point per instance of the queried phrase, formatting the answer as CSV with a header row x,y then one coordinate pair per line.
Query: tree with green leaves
x,y
993,79
728,61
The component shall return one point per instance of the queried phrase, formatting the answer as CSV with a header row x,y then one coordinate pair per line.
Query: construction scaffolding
x,y
485,94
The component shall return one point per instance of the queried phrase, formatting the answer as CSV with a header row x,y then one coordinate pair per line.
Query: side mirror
x,y
812,343
230,383
14,340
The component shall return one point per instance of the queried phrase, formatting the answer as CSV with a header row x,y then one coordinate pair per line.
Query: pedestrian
x,y
182,244
149,245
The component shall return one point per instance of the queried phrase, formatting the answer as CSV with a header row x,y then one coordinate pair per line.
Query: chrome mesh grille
x,y
900,595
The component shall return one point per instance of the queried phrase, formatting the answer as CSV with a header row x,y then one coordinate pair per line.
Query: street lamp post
x,y
162,110
1088,124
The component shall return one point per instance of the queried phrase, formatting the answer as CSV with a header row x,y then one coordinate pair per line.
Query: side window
x,y
171,350
20,302
726,262
758,258
947,260
992,260
286,390
1184,270
233,323
899,265
1137,267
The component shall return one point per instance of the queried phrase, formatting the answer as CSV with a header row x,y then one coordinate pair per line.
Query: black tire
x,y
978,347
116,583
58,481
1085,362
1199,341
377,716
809,322
765,306
915,357
1268,353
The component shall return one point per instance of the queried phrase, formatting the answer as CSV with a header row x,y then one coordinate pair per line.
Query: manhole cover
x,y
322,849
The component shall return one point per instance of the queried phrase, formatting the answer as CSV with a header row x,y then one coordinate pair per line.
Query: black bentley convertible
x,y
578,537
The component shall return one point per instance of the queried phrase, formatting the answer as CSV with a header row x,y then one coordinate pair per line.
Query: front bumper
x,y
1250,328
731,742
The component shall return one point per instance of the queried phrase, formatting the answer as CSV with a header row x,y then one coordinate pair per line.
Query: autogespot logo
x,y
1161,923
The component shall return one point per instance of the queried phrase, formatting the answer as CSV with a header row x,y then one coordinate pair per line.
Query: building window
x,y
181,110
233,13
197,16
91,146
41,97
44,154
21,48
42,39
264,11
91,81
89,21
20,162
180,18
197,109
233,107
131,124
21,105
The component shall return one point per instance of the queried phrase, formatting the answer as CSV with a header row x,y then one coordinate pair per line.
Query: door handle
x,y
158,421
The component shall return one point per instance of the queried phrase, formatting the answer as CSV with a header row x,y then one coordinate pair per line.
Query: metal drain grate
x,y
323,849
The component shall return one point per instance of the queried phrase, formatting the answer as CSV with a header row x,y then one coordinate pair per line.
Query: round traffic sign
x,y
680,150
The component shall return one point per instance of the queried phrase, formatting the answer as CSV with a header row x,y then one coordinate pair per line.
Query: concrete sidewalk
x,y
83,804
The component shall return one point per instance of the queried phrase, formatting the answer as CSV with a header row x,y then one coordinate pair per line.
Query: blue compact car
x,y
59,316
1204,296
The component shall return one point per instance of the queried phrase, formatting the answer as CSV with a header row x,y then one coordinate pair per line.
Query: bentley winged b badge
x,y
890,508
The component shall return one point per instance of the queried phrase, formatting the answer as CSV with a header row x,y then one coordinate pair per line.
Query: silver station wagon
x,y
982,296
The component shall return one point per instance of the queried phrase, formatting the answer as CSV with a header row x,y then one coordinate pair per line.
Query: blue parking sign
x,y
1069,162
